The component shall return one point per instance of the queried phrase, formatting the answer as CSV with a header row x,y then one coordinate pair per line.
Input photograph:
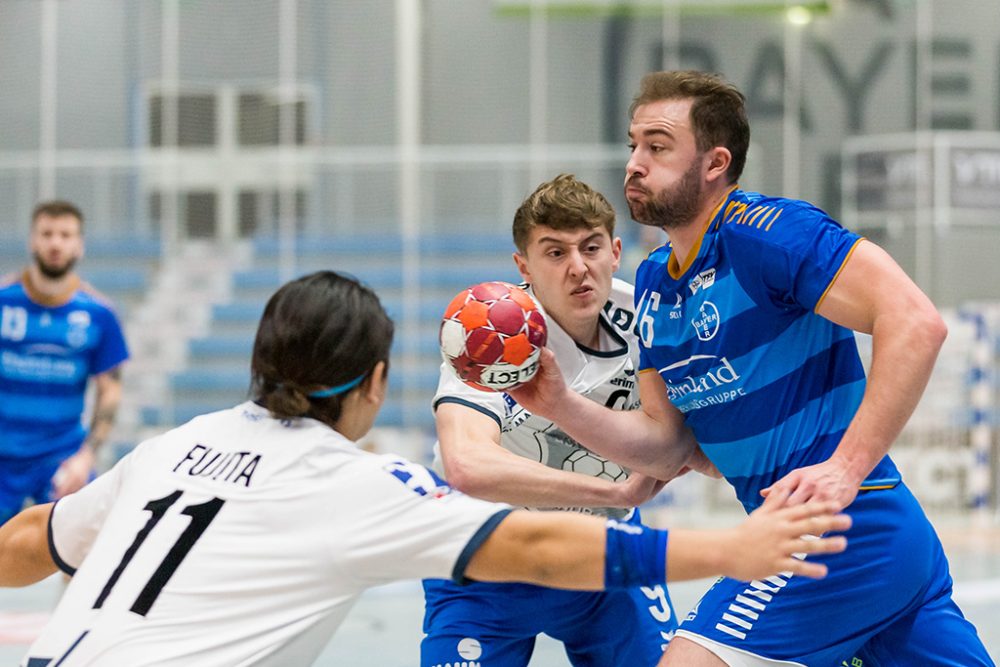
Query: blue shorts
x,y
23,480
885,602
496,624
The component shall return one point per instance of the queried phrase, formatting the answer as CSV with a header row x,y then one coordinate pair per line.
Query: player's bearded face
x,y
56,245
671,207
54,269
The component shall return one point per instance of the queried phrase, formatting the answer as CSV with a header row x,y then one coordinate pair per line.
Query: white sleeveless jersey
x,y
240,539
606,376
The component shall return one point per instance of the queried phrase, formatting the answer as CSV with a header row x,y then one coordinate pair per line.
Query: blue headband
x,y
339,389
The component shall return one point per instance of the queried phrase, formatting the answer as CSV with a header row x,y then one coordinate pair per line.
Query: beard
x,y
54,271
671,207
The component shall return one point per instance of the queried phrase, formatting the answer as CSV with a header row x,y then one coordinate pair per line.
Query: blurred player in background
x,y
244,536
490,447
745,323
56,332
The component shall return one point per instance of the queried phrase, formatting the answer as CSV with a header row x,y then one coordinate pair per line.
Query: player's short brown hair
x,y
56,208
562,203
718,110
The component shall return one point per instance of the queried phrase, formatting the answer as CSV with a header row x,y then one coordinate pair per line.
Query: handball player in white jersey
x,y
244,536
491,448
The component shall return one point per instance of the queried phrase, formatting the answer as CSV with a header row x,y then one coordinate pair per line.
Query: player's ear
x,y
719,159
375,386
616,250
522,266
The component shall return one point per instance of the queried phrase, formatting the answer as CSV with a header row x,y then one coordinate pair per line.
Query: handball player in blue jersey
x,y
56,332
490,447
746,322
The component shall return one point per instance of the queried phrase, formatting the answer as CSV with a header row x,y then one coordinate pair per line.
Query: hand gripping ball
x,y
492,335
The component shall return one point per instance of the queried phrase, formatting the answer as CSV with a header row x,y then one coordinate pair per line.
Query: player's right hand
x,y
777,537
543,394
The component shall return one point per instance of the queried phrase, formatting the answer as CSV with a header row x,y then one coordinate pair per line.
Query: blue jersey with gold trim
x,y
47,355
765,383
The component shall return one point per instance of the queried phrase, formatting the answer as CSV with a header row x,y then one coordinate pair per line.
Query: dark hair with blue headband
x,y
319,338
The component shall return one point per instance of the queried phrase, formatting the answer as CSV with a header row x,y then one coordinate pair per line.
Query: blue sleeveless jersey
x,y
47,355
765,383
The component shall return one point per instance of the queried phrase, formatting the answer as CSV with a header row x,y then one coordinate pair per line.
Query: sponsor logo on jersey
x,y
686,393
706,324
78,322
619,317
703,280
78,318
16,366
675,312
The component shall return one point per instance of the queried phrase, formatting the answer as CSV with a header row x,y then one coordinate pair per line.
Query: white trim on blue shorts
x,y
734,657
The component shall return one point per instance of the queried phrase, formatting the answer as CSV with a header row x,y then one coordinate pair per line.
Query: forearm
x,y
631,438
486,470
24,552
902,361
532,547
586,553
476,463
105,409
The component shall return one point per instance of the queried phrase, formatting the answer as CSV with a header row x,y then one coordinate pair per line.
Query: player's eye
x,y
631,147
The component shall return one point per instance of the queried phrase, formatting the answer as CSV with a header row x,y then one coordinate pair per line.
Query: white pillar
x,y
48,99
287,96
408,120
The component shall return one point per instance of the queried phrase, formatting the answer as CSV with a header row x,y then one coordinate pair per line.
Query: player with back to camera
x,y
56,333
244,536
492,448
745,323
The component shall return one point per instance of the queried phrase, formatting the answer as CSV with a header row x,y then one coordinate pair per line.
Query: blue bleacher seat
x,y
117,281
448,262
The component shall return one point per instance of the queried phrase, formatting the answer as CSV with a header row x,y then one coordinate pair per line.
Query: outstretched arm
x,y
874,295
24,547
653,440
475,463
569,550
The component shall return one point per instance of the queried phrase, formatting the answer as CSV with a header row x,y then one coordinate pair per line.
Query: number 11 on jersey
x,y
201,516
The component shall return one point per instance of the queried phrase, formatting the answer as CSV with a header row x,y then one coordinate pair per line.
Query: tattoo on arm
x,y
100,426
104,415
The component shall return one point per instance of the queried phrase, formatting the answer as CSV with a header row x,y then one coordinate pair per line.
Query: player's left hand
x,y
73,474
828,481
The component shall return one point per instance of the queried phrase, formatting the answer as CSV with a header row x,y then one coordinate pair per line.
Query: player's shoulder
x,y
88,294
395,473
659,255
747,216
654,264
10,281
622,294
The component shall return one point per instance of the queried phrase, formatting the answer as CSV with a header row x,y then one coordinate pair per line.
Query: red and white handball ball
x,y
492,335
